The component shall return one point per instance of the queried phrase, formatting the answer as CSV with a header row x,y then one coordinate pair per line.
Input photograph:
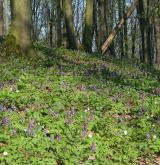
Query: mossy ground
x,y
75,108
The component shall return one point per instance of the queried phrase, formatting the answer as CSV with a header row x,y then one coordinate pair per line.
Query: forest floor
x,y
74,108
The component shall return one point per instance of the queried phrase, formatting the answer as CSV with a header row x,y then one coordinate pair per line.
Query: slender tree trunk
x,y
69,24
133,35
50,27
125,37
121,36
101,23
6,16
145,31
59,23
157,35
1,19
21,24
11,9
109,22
88,27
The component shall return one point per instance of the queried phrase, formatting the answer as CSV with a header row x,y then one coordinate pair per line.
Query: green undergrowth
x,y
70,108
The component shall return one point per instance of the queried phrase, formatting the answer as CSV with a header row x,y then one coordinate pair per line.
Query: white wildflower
x,y
125,132
90,134
156,102
154,137
5,153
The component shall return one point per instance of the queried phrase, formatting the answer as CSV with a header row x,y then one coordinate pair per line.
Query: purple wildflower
x,y
10,109
89,72
85,127
53,113
93,147
5,121
72,111
1,85
30,132
148,136
141,112
84,130
32,124
93,87
30,129
143,97
58,137
2,108
82,87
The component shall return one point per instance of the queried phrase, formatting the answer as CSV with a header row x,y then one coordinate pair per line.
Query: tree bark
x,y
21,24
101,23
157,36
1,19
6,16
109,22
125,35
121,34
50,27
11,9
59,23
133,35
143,12
69,24
88,27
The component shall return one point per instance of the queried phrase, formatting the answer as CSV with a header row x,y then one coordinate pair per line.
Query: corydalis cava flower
x,y
5,121
30,129
93,147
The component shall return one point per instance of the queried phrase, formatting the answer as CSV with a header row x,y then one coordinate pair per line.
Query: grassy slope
x,y
73,108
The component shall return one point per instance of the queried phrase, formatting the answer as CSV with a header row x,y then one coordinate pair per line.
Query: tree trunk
x,y
50,26
133,35
88,27
1,19
59,23
125,35
101,23
109,22
69,24
157,35
21,24
6,16
11,9
145,31
121,43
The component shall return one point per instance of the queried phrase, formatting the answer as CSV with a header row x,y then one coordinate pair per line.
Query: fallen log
x,y
114,32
